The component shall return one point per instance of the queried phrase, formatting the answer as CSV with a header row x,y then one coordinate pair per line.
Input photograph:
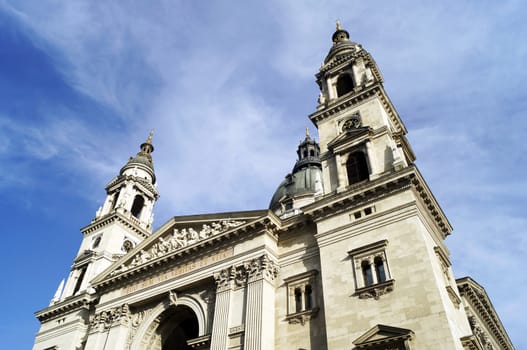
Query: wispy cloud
x,y
227,88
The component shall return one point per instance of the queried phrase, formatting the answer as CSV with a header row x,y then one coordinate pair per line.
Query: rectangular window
x,y
301,297
372,276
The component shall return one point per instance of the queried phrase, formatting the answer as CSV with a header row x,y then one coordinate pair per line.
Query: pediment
x,y
381,334
185,234
348,136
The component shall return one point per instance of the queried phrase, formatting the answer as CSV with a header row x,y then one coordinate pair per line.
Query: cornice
x,y
363,93
335,203
82,301
480,301
111,218
148,187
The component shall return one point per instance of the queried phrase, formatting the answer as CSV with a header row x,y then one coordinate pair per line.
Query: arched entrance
x,y
176,327
171,329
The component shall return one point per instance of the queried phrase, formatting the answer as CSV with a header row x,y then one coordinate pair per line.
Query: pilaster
x,y
220,324
259,321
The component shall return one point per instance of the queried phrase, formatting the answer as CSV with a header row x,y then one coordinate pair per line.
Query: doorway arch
x,y
170,326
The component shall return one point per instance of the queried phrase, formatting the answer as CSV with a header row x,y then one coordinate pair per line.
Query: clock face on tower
x,y
127,245
350,124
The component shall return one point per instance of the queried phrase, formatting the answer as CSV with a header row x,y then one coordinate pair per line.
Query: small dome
x,y
143,159
297,190
341,44
300,187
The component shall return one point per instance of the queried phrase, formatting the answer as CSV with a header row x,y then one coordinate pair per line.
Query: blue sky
x,y
227,87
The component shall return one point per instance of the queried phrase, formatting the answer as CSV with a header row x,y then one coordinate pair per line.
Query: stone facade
x,y
351,254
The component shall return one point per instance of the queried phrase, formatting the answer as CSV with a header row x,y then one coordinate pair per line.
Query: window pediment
x,y
382,337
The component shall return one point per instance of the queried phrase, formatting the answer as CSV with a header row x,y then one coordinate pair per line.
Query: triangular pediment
x,y
183,234
382,334
349,136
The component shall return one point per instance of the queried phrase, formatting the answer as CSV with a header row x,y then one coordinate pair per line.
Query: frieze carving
x,y
109,318
179,238
239,275
479,333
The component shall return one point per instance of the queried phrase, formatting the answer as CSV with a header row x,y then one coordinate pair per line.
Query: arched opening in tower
x,y
344,84
357,168
137,206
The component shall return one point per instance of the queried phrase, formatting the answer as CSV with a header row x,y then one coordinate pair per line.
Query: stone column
x,y
220,326
259,319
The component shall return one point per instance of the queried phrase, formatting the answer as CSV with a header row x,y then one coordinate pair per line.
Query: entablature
x,y
112,218
335,203
165,246
363,93
146,186
480,304
76,302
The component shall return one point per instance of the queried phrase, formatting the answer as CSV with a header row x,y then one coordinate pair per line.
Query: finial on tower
x,y
147,147
307,132
150,135
340,35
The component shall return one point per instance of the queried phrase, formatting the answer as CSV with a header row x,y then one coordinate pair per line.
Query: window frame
x,y
365,259
305,283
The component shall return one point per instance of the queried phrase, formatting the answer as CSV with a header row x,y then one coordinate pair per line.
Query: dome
x,y
142,161
300,187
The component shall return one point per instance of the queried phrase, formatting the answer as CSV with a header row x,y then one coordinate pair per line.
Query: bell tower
x,y
124,219
361,134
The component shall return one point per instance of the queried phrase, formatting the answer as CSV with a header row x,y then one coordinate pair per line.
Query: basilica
x,y
350,254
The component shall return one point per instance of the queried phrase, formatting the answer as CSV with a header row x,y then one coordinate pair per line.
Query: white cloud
x,y
227,89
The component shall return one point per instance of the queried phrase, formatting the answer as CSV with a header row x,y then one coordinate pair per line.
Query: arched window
x,y
312,153
78,283
137,206
357,168
344,84
379,270
308,294
367,273
298,300
114,200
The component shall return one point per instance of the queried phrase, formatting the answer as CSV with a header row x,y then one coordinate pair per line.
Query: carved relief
x,y
479,332
239,275
375,291
178,239
109,318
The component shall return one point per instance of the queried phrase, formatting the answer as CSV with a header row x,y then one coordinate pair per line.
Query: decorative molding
x,y
237,329
200,343
453,296
248,271
81,301
179,239
479,333
302,317
104,320
375,291
479,302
